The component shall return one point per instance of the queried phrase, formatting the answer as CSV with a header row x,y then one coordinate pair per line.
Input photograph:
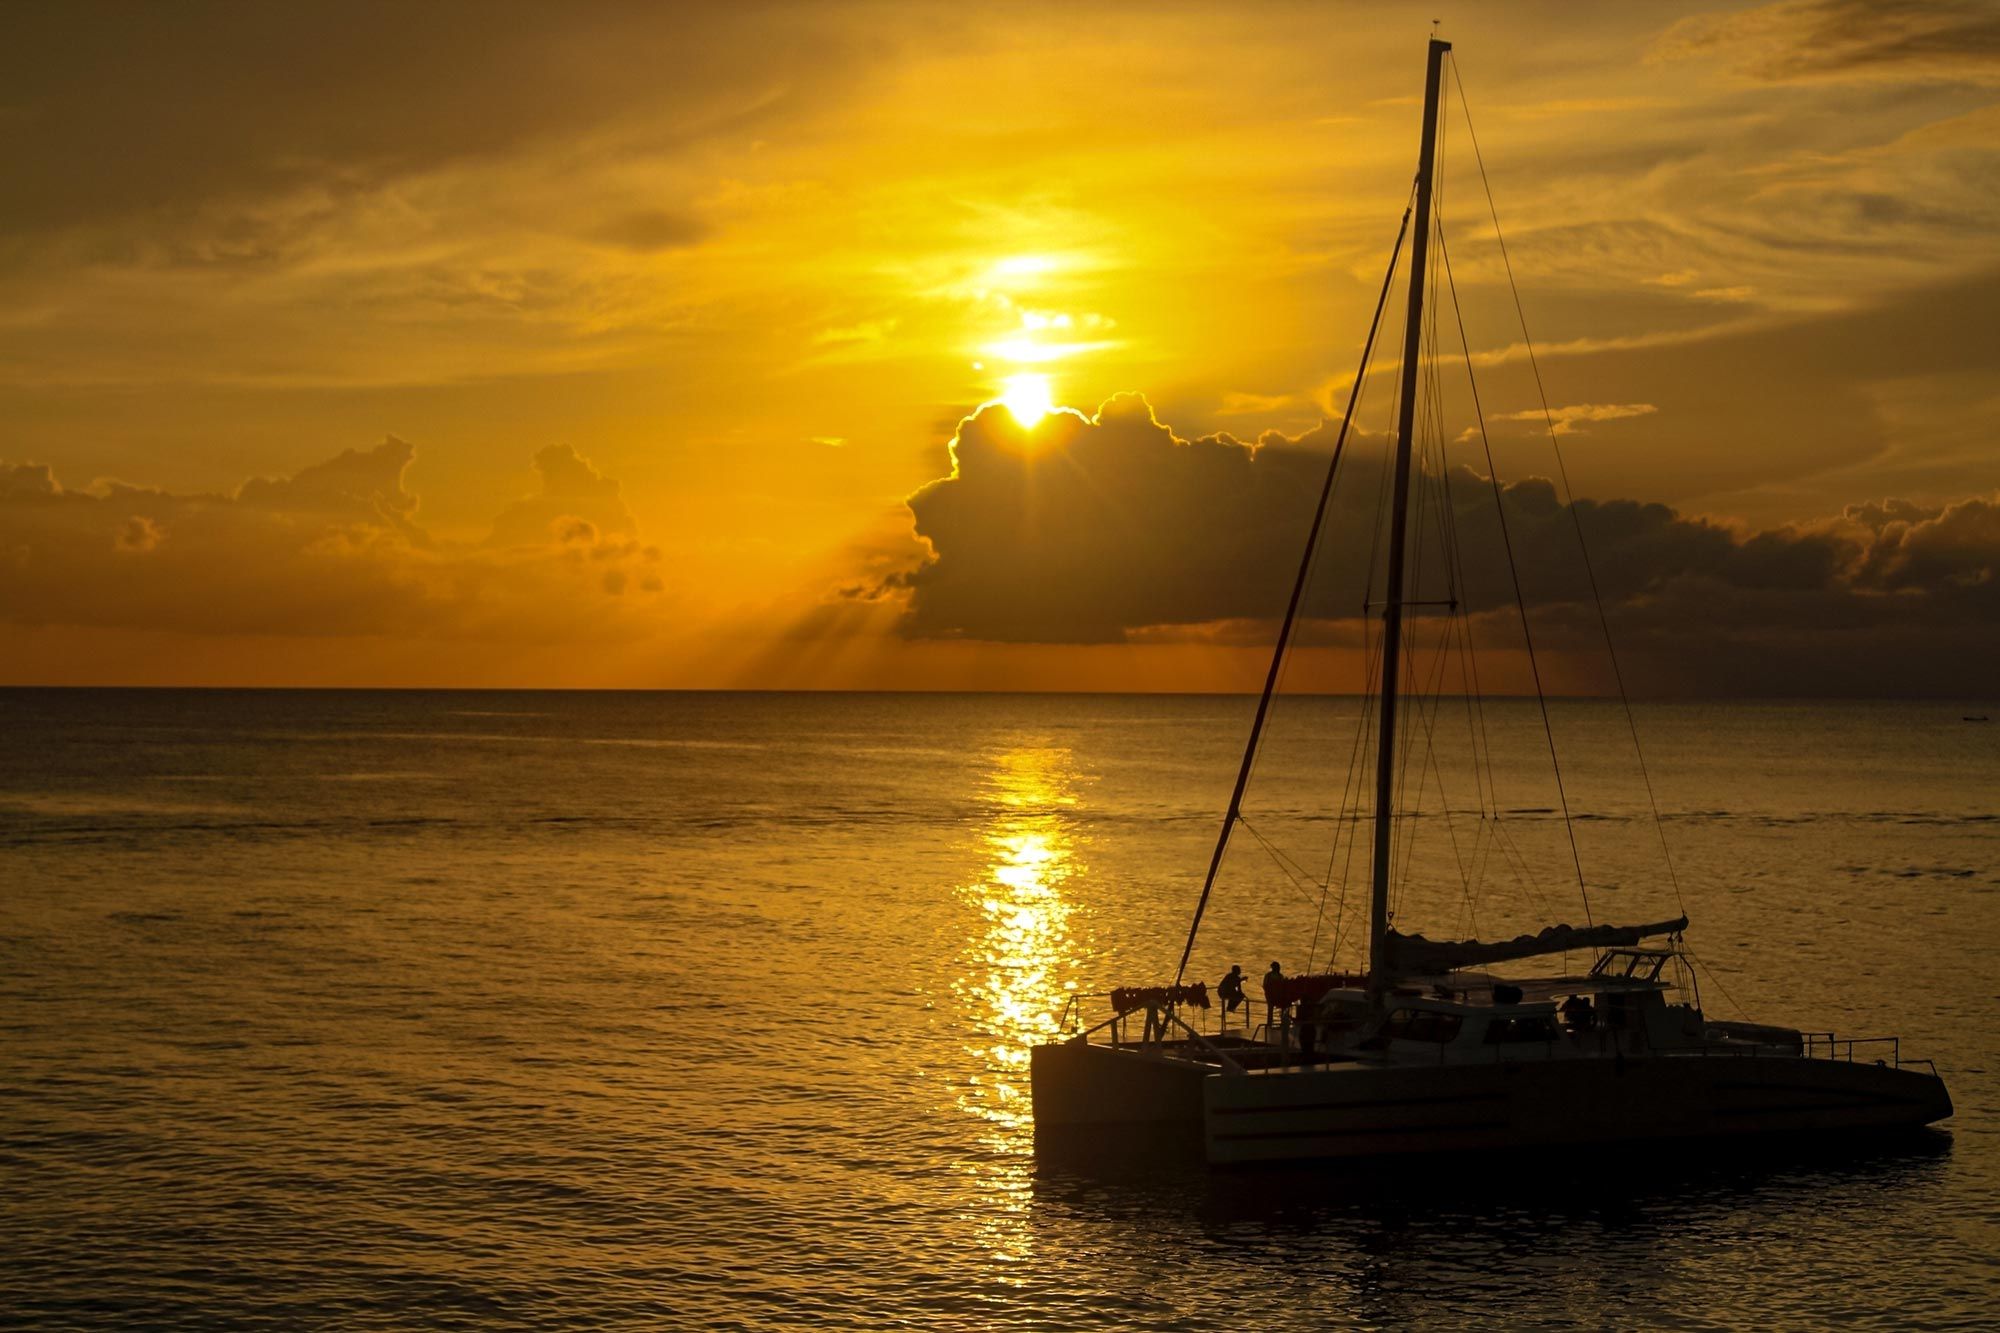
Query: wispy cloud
x,y
1236,403
1808,40
1569,420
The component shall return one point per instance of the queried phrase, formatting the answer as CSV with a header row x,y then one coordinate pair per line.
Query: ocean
x,y
558,1010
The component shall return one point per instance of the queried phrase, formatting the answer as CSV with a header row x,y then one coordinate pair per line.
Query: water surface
x,y
557,1010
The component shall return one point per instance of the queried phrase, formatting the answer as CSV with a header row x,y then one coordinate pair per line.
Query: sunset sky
x,y
627,345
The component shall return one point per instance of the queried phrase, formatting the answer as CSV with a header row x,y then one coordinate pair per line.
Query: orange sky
x,y
607,345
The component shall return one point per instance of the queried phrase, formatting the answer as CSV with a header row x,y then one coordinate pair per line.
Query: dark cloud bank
x,y
1113,529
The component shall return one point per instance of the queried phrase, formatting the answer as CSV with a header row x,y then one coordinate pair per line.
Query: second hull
x,y
1363,1110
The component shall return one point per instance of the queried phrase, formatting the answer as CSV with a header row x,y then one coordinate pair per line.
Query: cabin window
x,y
1422,1025
1538,1028
1622,963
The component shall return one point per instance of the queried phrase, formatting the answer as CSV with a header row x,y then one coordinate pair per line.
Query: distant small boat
x,y
1980,718
1428,1051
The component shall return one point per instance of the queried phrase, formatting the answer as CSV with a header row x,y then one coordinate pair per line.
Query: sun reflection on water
x,y
1020,965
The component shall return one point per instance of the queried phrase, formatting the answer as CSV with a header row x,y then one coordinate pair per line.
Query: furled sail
x,y
1413,955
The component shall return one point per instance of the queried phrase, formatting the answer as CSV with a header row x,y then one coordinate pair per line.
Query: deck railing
x,y
1884,1050
1210,1022
1161,1024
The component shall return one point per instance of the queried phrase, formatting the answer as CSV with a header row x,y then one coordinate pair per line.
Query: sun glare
x,y
1027,396
1023,266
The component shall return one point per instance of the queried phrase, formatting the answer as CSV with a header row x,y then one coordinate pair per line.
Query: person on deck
x,y
1230,988
1577,1014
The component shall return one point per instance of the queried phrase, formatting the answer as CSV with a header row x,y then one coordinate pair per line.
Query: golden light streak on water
x,y
1019,969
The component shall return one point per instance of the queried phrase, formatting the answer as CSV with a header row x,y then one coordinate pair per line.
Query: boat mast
x,y
1392,611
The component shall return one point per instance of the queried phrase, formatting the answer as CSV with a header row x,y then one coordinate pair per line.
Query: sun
x,y
1027,396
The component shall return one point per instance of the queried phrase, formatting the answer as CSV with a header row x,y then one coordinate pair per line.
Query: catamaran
x,y
1427,1050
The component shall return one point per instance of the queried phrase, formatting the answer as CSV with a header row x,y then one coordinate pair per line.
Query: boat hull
x,y
1092,1100
1364,1111
1078,1084
1085,1094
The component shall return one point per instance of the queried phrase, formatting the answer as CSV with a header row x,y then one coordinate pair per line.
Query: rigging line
x,y
1430,434
1357,404
1520,598
1562,474
1450,828
1697,965
1358,398
1422,693
1378,535
1433,767
1430,723
1467,691
1476,709
1349,791
1462,618
1513,862
1454,572
1341,825
1424,688
1483,825
1485,844
1478,735
1402,833
1439,458
1333,850
1478,702
1454,555
1427,708
1412,694
1372,654
1485,799
1297,881
1291,610
1285,860
1433,503
1516,861
1350,778
1348,812
1458,634
1428,699
1403,853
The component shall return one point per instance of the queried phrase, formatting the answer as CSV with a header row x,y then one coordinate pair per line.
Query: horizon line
x,y
22,687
